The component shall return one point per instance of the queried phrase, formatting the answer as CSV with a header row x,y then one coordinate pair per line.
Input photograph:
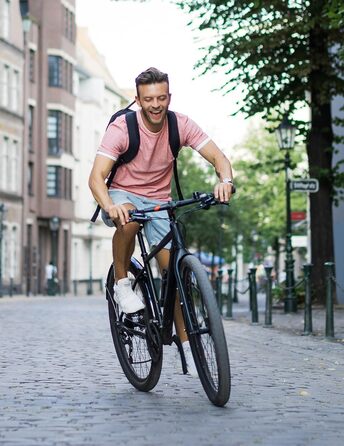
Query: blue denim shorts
x,y
156,229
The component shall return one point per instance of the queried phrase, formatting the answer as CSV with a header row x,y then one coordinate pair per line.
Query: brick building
x,y
11,145
48,160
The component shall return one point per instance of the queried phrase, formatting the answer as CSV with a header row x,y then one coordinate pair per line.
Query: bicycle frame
x,y
173,281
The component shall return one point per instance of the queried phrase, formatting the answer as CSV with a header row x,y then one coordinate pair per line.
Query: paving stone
x,y
61,384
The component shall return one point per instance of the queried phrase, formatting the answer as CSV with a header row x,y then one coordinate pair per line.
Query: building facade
x,y
11,146
97,98
48,156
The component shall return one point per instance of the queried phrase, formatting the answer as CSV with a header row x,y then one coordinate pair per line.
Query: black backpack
x,y
134,144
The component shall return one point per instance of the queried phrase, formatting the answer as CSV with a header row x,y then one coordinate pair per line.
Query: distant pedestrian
x,y
51,278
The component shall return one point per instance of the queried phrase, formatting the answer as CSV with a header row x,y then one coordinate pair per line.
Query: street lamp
x,y
54,224
2,212
26,23
285,134
90,280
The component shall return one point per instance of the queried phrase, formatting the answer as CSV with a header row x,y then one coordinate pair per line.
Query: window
x,y
30,177
4,162
14,170
10,166
69,24
60,133
32,61
68,134
54,132
10,250
13,253
55,75
53,181
5,18
60,73
68,184
15,90
30,128
5,79
59,182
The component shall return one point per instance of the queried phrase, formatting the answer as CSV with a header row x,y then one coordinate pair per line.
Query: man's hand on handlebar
x,y
223,192
118,212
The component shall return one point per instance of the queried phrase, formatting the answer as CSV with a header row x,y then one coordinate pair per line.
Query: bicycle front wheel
x,y
137,343
206,333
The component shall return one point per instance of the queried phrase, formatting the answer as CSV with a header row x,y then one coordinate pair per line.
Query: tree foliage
x,y
284,54
264,49
257,210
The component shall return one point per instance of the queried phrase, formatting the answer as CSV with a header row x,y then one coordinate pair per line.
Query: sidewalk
x,y
292,323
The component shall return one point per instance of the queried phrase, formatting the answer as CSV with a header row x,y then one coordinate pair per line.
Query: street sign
x,y
298,215
307,185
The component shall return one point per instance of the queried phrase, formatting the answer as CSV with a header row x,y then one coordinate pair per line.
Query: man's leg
x,y
123,248
163,259
123,245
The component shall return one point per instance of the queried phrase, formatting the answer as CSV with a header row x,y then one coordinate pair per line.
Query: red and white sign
x,y
298,215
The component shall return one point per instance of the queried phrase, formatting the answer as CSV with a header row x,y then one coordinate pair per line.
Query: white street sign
x,y
307,185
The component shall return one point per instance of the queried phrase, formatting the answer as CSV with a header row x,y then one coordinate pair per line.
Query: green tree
x,y
283,55
260,206
207,231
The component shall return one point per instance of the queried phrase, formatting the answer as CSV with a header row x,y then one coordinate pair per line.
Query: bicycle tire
x,y
206,335
129,334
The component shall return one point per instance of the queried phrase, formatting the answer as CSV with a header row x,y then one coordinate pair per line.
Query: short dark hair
x,y
150,76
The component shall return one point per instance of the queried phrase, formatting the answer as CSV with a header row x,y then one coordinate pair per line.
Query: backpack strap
x,y
174,140
134,137
173,133
120,112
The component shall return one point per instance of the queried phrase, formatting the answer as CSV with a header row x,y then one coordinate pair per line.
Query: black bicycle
x,y
139,337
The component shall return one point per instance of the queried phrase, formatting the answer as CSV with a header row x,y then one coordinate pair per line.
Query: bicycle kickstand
x,y
176,340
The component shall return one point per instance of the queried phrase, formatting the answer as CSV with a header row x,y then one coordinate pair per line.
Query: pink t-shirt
x,y
149,174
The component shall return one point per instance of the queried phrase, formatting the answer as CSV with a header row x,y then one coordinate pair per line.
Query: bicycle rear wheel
x,y
206,334
137,343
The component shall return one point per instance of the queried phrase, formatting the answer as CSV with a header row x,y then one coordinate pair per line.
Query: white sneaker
x,y
127,299
190,363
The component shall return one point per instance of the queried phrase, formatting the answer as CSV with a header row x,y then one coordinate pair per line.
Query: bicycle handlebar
x,y
205,199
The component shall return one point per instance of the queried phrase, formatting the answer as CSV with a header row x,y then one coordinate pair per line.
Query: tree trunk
x,y
319,150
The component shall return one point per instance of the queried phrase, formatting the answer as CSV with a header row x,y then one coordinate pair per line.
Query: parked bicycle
x,y
139,338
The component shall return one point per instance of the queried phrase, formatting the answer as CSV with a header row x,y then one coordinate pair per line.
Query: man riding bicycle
x,y
146,180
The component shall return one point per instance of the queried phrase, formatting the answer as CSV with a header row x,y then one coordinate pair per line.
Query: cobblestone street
x,y
61,384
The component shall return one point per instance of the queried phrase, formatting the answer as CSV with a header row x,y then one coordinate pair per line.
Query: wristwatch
x,y
227,180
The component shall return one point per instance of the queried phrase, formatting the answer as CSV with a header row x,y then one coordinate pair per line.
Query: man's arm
x,y
100,170
223,169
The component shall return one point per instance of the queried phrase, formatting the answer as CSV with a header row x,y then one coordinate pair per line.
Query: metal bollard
x,y
75,287
229,310
235,294
308,326
329,330
250,289
219,290
268,299
254,304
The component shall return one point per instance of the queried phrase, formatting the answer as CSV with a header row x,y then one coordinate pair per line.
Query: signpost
x,y
307,185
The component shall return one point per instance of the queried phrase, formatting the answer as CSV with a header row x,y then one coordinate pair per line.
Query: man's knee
x,y
127,231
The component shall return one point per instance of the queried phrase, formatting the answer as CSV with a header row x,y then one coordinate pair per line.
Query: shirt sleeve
x,y
191,134
115,140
